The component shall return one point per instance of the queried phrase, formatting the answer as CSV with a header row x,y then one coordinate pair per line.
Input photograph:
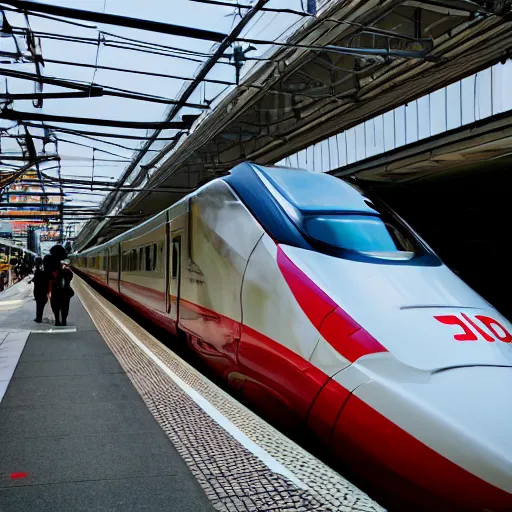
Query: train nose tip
x,y
447,441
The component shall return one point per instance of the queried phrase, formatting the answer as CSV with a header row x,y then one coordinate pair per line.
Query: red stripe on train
x,y
370,441
338,328
383,452
372,444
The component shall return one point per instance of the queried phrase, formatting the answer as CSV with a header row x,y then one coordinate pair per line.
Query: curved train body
x,y
323,308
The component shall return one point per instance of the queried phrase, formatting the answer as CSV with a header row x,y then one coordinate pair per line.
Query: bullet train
x,y
324,309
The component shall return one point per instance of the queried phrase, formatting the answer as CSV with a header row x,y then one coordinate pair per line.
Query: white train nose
x,y
446,433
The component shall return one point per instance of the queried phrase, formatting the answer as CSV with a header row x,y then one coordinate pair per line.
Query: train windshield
x,y
370,235
340,219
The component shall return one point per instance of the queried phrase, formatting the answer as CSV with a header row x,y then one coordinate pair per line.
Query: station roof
x,y
82,91
128,109
347,64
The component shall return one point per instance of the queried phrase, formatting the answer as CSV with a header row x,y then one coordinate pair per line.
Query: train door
x,y
176,247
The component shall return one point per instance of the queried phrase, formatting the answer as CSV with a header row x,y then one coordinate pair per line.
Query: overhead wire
x,y
136,71
204,70
133,45
125,44
103,142
89,133
92,147
156,45
247,6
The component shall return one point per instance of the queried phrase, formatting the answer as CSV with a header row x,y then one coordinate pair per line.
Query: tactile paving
x,y
233,478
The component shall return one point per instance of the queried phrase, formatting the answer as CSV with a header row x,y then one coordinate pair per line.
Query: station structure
x,y
113,114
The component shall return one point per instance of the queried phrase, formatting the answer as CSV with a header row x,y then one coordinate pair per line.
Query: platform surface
x,y
75,434
101,416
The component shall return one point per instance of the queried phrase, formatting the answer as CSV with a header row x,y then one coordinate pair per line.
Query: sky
x,y
77,160
473,98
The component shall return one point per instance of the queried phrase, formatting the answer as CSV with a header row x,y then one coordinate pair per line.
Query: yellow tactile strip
x,y
232,477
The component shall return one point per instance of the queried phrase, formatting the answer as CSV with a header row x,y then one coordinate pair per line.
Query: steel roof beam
x,y
78,133
96,92
15,115
120,21
92,90
227,41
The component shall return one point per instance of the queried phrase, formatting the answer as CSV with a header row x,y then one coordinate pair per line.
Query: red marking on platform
x,y
15,476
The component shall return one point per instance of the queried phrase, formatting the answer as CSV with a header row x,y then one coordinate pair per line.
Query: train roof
x,y
262,189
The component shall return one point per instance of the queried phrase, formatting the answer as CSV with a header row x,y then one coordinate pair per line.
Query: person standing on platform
x,y
60,285
15,271
41,282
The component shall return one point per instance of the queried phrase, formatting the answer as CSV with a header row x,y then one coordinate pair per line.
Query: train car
x,y
323,308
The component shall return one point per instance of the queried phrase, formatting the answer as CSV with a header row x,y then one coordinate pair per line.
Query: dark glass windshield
x,y
370,235
318,212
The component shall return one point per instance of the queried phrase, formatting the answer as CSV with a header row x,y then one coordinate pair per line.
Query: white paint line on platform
x,y
206,406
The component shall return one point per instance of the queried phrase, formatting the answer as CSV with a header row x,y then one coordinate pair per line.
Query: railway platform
x,y
100,416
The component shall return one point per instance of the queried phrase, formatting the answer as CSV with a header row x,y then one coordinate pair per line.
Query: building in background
x,y
34,239
29,199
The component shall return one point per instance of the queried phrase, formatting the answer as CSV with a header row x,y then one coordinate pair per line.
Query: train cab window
x,y
369,235
322,213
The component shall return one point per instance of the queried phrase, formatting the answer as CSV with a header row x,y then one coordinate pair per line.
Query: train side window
x,y
159,256
176,252
126,261
133,257
141,259
154,255
147,259
113,263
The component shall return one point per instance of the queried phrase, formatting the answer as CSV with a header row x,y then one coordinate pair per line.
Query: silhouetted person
x,y
23,269
41,282
60,285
